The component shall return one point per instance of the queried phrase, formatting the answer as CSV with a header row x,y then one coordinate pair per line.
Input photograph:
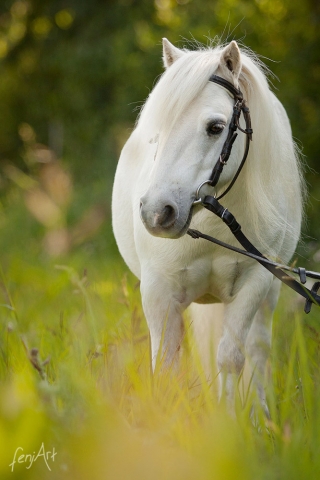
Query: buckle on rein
x,y
314,290
309,302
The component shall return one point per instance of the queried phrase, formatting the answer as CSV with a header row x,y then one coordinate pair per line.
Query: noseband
x,y
239,107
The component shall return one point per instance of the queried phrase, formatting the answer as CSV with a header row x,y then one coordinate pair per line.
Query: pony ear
x,y
230,61
170,53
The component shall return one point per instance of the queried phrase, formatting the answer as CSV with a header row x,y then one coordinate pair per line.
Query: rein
x,y
212,204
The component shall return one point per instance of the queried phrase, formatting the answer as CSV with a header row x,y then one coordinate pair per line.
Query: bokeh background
x,y
74,74
74,347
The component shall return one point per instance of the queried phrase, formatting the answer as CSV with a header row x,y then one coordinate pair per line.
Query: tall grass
x,y
75,376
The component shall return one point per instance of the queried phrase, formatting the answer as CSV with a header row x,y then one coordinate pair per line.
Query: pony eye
x,y
215,128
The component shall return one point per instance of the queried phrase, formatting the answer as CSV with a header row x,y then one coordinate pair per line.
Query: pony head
x,y
184,124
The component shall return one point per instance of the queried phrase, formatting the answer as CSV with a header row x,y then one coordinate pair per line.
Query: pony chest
x,y
223,282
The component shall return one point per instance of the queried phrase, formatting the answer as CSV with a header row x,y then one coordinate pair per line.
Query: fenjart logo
x,y
31,458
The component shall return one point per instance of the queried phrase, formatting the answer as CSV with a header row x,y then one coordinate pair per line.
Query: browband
x,y
224,83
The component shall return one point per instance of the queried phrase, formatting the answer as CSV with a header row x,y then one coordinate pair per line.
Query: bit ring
x,y
198,200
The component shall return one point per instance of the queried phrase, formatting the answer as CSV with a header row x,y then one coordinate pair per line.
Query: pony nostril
x,y
157,216
167,217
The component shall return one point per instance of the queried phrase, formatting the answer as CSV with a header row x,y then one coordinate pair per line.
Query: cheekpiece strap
x,y
239,106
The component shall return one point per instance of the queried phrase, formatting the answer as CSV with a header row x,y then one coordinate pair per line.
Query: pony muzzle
x,y
159,220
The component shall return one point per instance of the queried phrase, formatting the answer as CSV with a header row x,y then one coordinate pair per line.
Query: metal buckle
x,y
309,301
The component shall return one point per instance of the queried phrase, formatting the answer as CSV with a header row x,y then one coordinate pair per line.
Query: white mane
x,y
177,88
263,176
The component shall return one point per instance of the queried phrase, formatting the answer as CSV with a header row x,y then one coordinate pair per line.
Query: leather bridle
x,y
212,204
238,108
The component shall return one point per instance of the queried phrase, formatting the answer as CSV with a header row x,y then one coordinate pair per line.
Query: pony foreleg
x,y
259,343
163,307
207,321
238,318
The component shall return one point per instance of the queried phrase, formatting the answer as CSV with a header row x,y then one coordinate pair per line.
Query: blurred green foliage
x,y
77,71
74,347
75,377
80,67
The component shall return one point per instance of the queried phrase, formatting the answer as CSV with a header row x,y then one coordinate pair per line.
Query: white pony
x,y
177,140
